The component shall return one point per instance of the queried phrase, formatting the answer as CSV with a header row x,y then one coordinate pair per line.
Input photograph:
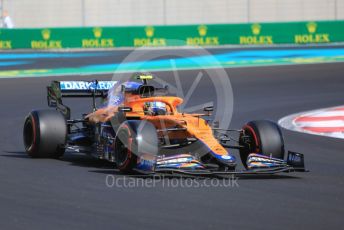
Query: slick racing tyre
x,y
133,139
45,134
263,137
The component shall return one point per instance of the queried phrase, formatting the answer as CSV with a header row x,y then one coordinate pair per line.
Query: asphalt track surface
x,y
71,193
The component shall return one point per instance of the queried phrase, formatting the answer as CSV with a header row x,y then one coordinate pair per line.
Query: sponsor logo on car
x,y
83,85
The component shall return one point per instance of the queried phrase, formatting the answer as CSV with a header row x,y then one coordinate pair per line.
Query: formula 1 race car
x,y
147,134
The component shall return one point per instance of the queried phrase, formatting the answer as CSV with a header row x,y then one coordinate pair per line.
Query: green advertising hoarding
x,y
157,36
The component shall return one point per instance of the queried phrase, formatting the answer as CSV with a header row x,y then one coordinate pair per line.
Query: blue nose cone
x,y
228,158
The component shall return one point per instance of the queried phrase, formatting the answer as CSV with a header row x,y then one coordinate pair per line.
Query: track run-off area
x,y
23,64
324,122
267,83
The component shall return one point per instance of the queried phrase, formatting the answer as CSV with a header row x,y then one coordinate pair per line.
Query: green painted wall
x,y
194,35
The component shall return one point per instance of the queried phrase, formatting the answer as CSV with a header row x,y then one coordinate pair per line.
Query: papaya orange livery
x,y
141,130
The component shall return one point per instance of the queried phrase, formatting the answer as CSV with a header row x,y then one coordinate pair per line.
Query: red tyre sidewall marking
x,y
130,141
32,147
254,136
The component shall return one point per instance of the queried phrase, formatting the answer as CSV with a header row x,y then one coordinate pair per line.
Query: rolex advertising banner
x,y
159,36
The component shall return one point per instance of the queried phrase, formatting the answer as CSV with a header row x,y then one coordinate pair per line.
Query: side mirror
x,y
52,102
208,109
124,109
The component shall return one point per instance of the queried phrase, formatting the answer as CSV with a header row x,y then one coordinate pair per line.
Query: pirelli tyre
x,y
134,138
45,134
263,137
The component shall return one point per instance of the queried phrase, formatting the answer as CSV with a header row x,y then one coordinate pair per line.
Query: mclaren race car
x,y
145,133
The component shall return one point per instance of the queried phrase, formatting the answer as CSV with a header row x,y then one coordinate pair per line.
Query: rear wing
x,y
91,89
80,88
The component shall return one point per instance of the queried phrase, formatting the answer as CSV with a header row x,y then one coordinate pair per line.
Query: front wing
x,y
257,165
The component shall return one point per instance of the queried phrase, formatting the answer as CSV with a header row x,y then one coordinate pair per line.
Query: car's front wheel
x,y
263,137
134,138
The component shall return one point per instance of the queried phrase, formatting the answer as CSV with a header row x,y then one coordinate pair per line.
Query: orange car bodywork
x,y
194,125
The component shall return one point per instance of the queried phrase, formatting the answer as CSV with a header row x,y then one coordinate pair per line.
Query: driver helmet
x,y
155,108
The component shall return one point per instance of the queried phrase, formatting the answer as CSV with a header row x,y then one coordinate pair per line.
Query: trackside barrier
x,y
158,36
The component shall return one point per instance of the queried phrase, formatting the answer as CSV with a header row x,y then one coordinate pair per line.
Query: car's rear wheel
x,y
45,133
263,137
